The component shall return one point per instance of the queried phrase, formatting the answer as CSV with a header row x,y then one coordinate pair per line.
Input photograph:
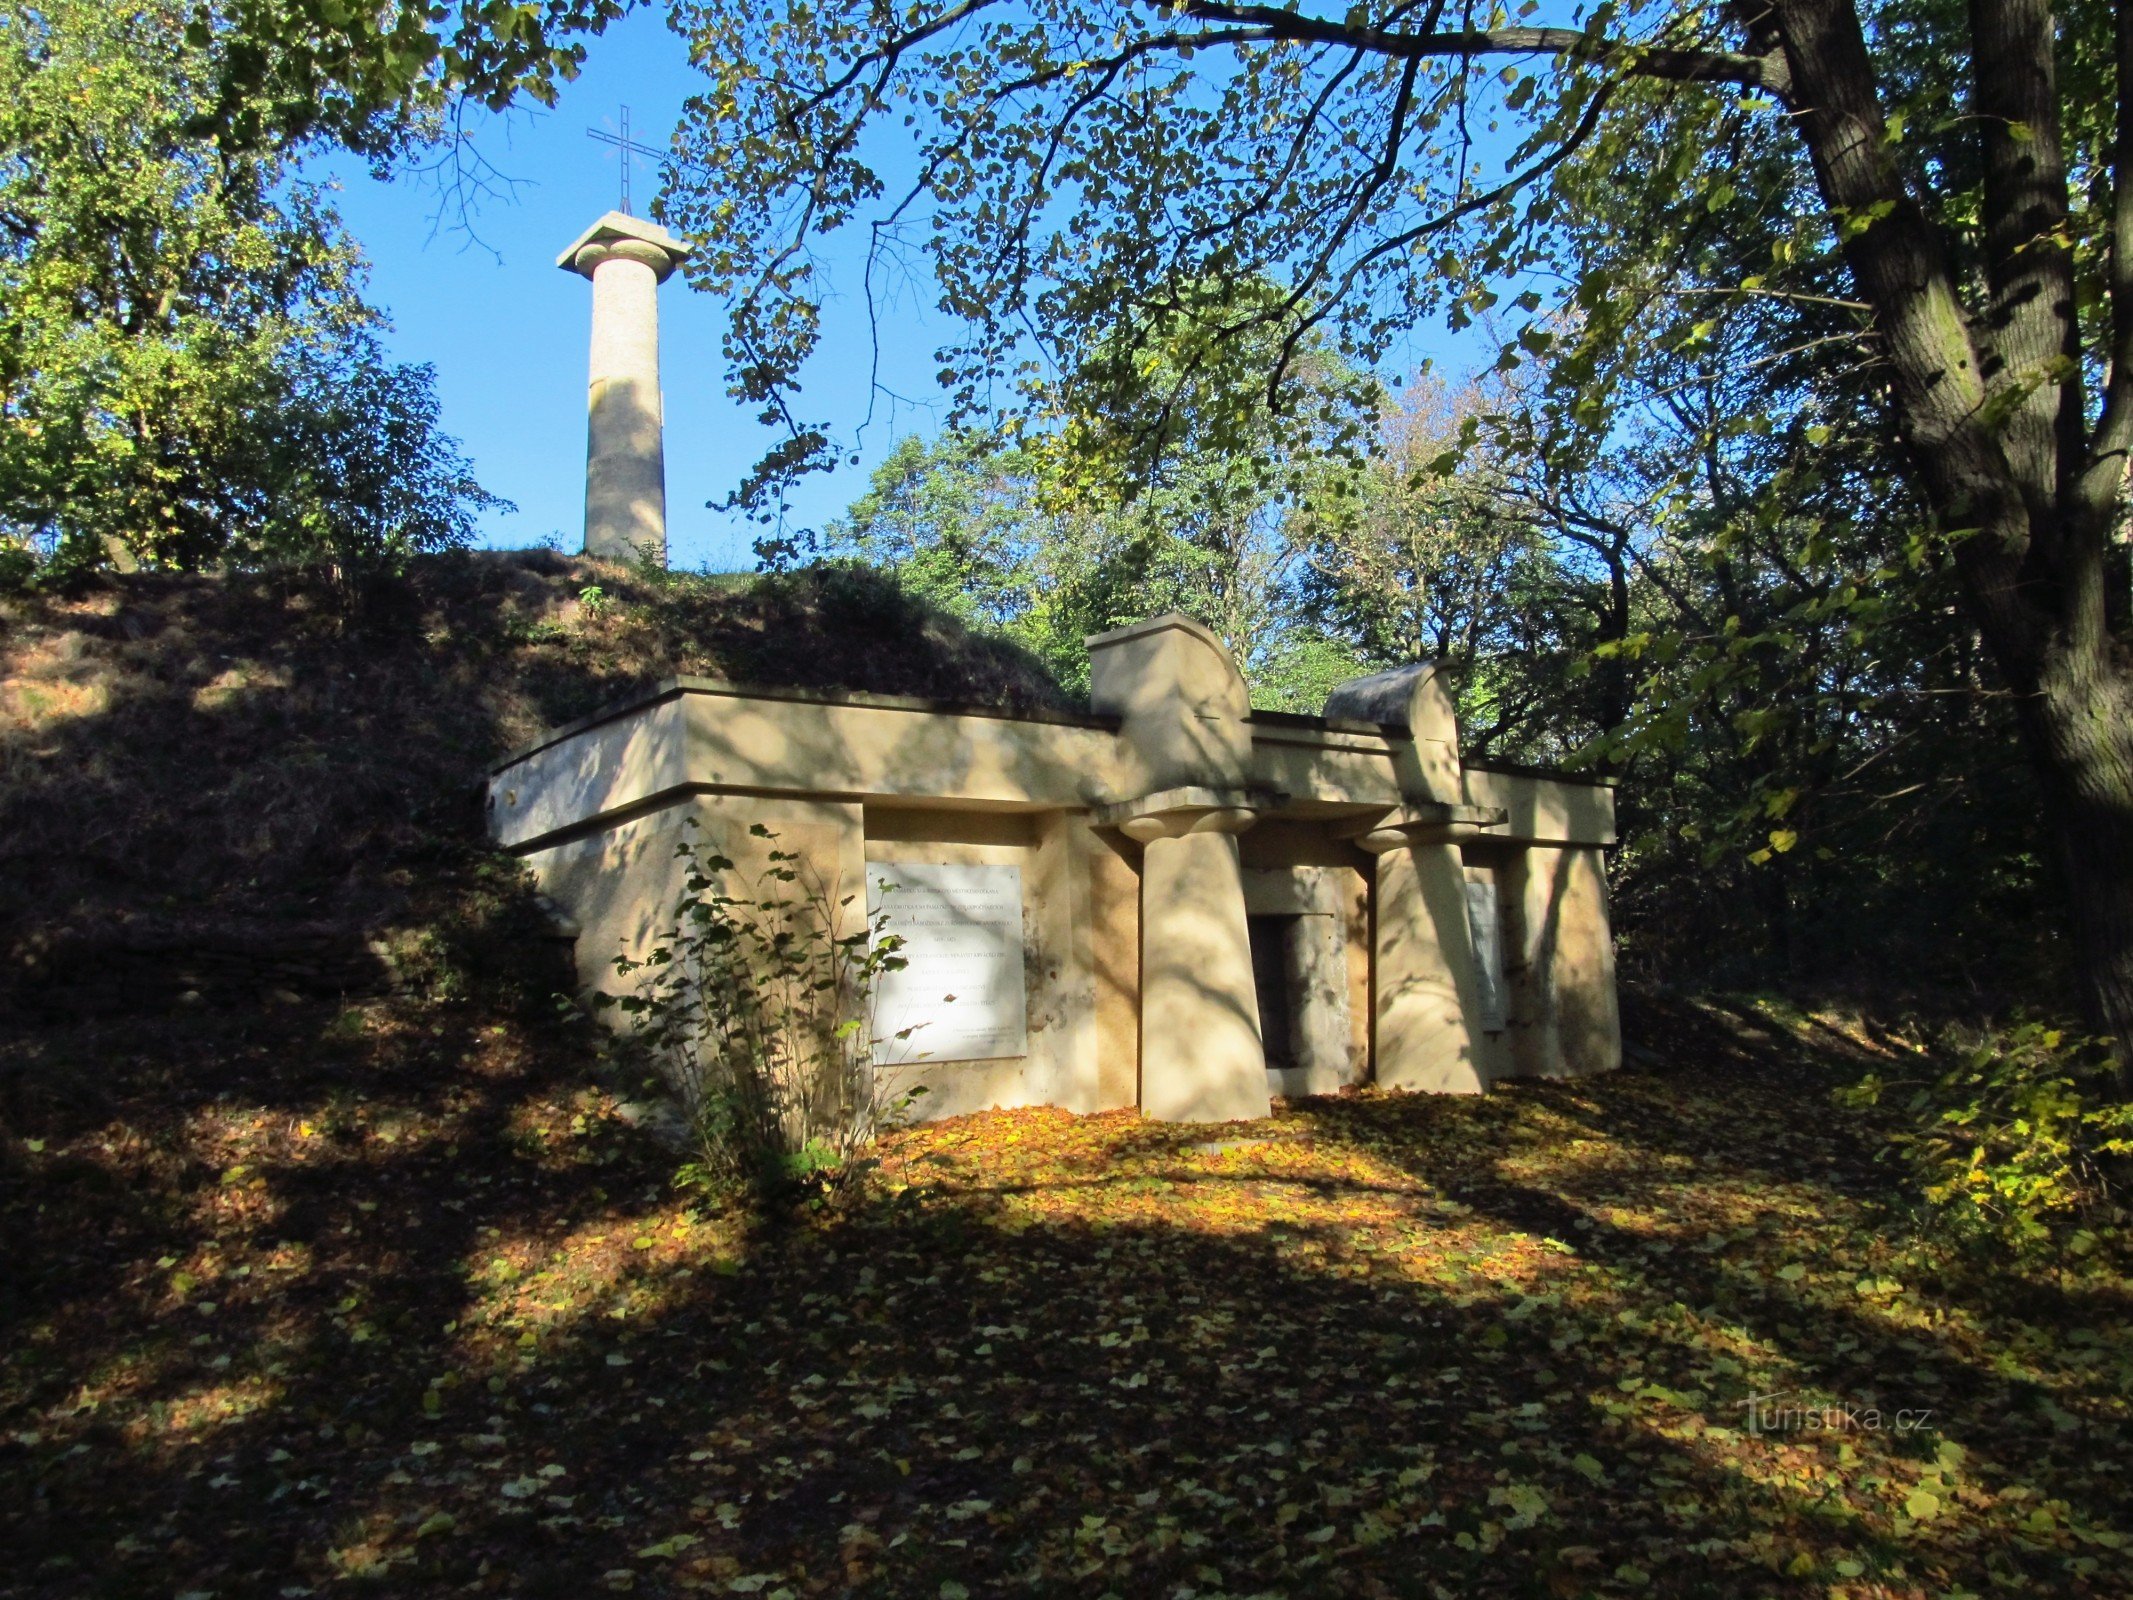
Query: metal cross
x,y
625,148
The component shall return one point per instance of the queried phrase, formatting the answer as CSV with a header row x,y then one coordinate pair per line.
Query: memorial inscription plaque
x,y
961,988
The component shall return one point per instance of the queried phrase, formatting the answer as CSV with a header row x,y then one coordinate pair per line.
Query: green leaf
x,y
666,1549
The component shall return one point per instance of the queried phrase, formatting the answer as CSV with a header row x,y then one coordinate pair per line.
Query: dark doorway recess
x,y
1275,984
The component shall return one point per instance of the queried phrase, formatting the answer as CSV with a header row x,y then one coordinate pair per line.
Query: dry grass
x,y
217,762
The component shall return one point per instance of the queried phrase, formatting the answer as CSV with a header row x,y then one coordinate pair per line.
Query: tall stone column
x,y
1428,1004
625,458
1202,1056
1185,746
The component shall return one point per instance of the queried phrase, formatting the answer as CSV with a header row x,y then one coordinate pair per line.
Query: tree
x,y
1426,561
955,520
1155,477
1077,163
1006,536
1204,454
1823,772
350,466
379,77
187,371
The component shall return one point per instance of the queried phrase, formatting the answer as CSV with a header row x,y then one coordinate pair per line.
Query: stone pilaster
x,y
1425,1030
1202,1055
1565,1022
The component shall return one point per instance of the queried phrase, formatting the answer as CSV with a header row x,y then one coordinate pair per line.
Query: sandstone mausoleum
x,y
1173,902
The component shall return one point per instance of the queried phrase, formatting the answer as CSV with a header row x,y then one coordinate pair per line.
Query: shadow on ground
x,y
405,1303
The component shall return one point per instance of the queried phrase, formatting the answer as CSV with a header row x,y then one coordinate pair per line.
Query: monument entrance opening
x,y
1274,978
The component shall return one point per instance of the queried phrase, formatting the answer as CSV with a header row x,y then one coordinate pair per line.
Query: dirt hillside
x,y
223,791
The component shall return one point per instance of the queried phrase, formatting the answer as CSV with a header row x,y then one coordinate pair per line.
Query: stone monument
x,y
627,259
1172,901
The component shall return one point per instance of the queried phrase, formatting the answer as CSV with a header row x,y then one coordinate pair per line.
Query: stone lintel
x,y
1422,822
1169,813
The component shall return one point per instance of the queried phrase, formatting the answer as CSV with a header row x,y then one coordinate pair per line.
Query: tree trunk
x,y
2079,725
1991,412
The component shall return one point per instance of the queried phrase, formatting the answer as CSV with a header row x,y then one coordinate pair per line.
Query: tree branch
x,y
888,53
1765,72
1409,237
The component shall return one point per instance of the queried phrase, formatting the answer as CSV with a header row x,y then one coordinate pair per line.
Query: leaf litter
x,y
1658,1333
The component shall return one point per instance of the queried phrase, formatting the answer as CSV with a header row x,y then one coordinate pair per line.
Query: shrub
x,y
758,1008
2022,1141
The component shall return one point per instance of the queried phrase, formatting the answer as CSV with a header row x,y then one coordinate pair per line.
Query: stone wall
x,y
1166,844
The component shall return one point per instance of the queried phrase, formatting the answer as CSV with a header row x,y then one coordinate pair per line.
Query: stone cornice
x,y
1426,822
1173,813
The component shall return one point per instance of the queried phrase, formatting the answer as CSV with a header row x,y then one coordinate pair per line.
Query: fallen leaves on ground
x,y
406,1305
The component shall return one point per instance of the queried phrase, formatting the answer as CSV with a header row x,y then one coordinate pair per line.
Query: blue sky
x,y
506,329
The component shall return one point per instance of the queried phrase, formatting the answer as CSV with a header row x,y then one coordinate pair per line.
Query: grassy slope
x,y
387,1293
220,785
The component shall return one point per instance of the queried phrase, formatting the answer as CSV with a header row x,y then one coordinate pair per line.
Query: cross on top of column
x,y
627,150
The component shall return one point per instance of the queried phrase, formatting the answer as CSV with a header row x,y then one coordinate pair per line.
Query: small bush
x,y
2023,1141
757,1007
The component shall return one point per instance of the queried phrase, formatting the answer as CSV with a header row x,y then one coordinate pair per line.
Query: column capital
x,y
1427,822
1173,813
621,236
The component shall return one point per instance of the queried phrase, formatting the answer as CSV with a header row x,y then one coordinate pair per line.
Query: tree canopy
x,y
1904,221
188,370
377,78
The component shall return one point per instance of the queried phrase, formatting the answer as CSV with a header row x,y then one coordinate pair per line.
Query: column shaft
x,y
1427,990
1567,1022
625,469
1202,1059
